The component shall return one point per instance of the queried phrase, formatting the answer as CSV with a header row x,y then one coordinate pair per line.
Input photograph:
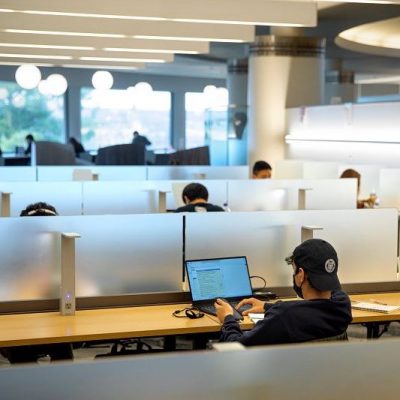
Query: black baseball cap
x,y
319,259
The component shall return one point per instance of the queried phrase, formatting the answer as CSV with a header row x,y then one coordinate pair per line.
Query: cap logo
x,y
330,265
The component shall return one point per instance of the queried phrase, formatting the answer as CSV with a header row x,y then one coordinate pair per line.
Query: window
x,y
110,117
195,106
28,111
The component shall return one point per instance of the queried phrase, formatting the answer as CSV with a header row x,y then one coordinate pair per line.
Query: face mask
x,y
297,289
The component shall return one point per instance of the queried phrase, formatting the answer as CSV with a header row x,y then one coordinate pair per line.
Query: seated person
x,y
364,203
140,139
78,148
23,354
325,311
29,140
262,170
195,196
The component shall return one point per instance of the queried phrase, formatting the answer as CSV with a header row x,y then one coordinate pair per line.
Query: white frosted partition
x,y
389,187
369,177
116,254
366,241
109,173
14,174
66,197
279,194
197,172
125,197
288,169
320,170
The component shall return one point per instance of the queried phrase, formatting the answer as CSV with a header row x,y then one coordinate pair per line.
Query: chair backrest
x,y
342,336
122,154
52,153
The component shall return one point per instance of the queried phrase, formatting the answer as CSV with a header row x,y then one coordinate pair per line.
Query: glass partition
x,y
276,194
198,172
66,197
104,173
128,197
266,238
13,174
115,255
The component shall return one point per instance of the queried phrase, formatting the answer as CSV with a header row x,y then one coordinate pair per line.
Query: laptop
x,y
224,278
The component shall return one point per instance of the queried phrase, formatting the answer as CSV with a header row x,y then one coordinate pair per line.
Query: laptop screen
x,y
220,277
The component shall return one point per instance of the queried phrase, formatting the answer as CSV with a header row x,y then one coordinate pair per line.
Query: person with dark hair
x,y
38,209
361,203
78,148
262,170
140,139
24,354
195,196
29,140
324,313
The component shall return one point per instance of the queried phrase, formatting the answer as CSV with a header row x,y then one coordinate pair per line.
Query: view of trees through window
x,y
28,111
110,117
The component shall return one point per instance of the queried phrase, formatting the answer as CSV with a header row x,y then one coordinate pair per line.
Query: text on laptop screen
x,y
224,278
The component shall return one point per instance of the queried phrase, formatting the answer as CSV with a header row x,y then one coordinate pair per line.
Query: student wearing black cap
x,y
325,311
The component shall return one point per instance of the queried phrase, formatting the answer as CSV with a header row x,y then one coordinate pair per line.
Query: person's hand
x,y
223,309
257,306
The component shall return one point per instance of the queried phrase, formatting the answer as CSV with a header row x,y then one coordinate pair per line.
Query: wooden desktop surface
x,y
119,323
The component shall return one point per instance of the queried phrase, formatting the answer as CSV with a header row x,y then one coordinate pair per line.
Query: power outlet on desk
x,y
264,294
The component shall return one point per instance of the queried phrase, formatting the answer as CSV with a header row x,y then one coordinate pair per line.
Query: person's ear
x,y
186,200
300,276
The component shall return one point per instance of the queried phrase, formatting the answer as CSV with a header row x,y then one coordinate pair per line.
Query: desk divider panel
x,y
126,197
17,174
111,173
276,194
196,172
365,240
66,197
389,187
116,255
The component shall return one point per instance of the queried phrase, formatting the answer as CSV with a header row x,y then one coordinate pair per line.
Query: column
x,y
237,111
284,72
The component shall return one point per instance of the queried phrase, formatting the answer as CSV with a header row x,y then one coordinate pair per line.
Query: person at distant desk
x,y
78,148
361,203
29,140
262,170
325,311
140,139
195,196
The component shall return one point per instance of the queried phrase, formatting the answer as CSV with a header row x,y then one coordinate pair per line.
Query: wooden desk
x,y
100,324
137,322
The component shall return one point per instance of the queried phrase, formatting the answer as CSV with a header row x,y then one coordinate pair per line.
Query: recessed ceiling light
x,y
194,39
164,51
102,67
9,55
18,63
90,15
45,46
140,60
35,32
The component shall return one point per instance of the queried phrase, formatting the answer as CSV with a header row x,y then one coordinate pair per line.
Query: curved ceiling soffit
x,y
378,38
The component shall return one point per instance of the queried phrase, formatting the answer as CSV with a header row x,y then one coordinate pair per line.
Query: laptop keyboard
x,y
209,308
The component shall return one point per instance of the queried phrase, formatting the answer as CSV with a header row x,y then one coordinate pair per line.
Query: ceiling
x,y
189,37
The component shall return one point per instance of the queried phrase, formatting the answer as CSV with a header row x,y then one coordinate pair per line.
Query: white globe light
x,y
102,80
221,97
44,88
143,88
57,84
28,76
209,90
